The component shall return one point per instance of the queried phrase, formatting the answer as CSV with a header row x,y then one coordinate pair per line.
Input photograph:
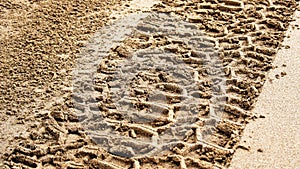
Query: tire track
x,y
165,116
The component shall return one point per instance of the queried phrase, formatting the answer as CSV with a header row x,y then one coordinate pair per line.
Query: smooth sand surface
x,y
274,140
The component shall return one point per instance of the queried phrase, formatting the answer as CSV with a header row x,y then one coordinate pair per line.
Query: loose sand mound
x,y
40,41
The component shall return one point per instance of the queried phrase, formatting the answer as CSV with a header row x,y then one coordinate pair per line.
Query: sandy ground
x,y
273,141
41,42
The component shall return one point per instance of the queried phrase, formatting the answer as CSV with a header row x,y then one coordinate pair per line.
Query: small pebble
x,y
262,116
271,80
283,74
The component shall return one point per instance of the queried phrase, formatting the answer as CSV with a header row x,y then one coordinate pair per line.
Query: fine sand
x,y
273,141
59,70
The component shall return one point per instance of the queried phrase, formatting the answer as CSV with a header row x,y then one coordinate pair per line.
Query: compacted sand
x,y
50,120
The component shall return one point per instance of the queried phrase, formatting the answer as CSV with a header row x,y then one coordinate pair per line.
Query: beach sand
x,y
274,139
50,120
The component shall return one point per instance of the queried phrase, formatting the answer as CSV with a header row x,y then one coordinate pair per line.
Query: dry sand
x,y
40,41
274,140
